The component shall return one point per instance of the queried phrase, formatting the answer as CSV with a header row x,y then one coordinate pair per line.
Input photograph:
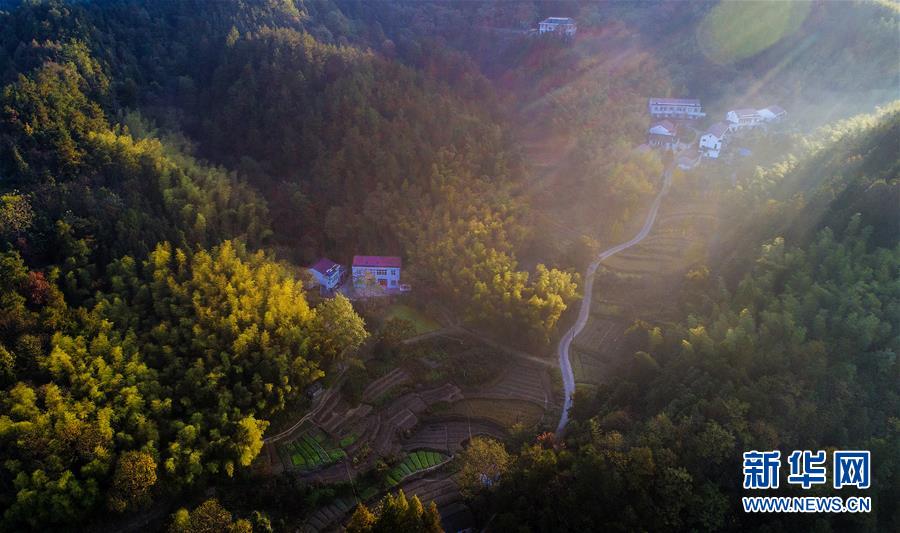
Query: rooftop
x,y
558,20
675,101
382,261
745,112
665,124
325,266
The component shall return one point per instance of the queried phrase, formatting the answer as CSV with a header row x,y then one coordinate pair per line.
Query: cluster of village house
x,y
367,272
671,113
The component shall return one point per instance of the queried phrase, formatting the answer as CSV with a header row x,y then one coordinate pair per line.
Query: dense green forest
x,y
150,326
801,353
165,380
168,168
374,146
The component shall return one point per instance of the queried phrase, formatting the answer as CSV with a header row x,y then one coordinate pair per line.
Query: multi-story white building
x,y
327,273
562,25
740,119
663,134
377,269
713,139
686,108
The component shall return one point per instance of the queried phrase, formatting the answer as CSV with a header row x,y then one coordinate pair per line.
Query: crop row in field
x,y
414,462
312,450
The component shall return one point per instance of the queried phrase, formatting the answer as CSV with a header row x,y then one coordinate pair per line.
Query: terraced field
x,y
666,253
310,450
590,352
592,338
506,413
519,381
383,385
635,277
444,491
680,234
328,516
449,435
589,367
403,415
415,462
607,309
424,426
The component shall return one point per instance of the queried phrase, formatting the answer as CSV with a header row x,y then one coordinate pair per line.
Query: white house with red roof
x,y
713,139
380,269
327,273
663,133
739,119
685,108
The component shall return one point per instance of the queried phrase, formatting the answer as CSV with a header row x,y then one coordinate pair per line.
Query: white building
x,y
383,270
562,25
740,119
713,139
688,108
663,134
327,273
773,113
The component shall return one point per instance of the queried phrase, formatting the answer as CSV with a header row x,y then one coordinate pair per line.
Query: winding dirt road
x,y
565,365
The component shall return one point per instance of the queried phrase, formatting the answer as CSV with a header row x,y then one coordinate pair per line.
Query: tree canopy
x,y
799,353
398,513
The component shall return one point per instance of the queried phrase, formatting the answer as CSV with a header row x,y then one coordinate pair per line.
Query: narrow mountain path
x,y
565,364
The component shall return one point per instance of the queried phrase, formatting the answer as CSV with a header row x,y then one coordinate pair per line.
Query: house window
x,y
381,272
393,283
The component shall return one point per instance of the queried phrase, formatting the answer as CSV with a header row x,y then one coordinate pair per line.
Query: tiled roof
x,y
324,265
382,261
558,20
667,125
675,101
745,112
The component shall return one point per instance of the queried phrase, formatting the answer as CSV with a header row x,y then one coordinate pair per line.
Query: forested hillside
x,y
800,354
169,169
829,57
821,60
150,327
824,179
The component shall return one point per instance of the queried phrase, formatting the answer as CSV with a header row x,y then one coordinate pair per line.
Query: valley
x,y
330,265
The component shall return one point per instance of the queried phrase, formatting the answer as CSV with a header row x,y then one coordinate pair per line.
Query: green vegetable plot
x,y
312,450
414,462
